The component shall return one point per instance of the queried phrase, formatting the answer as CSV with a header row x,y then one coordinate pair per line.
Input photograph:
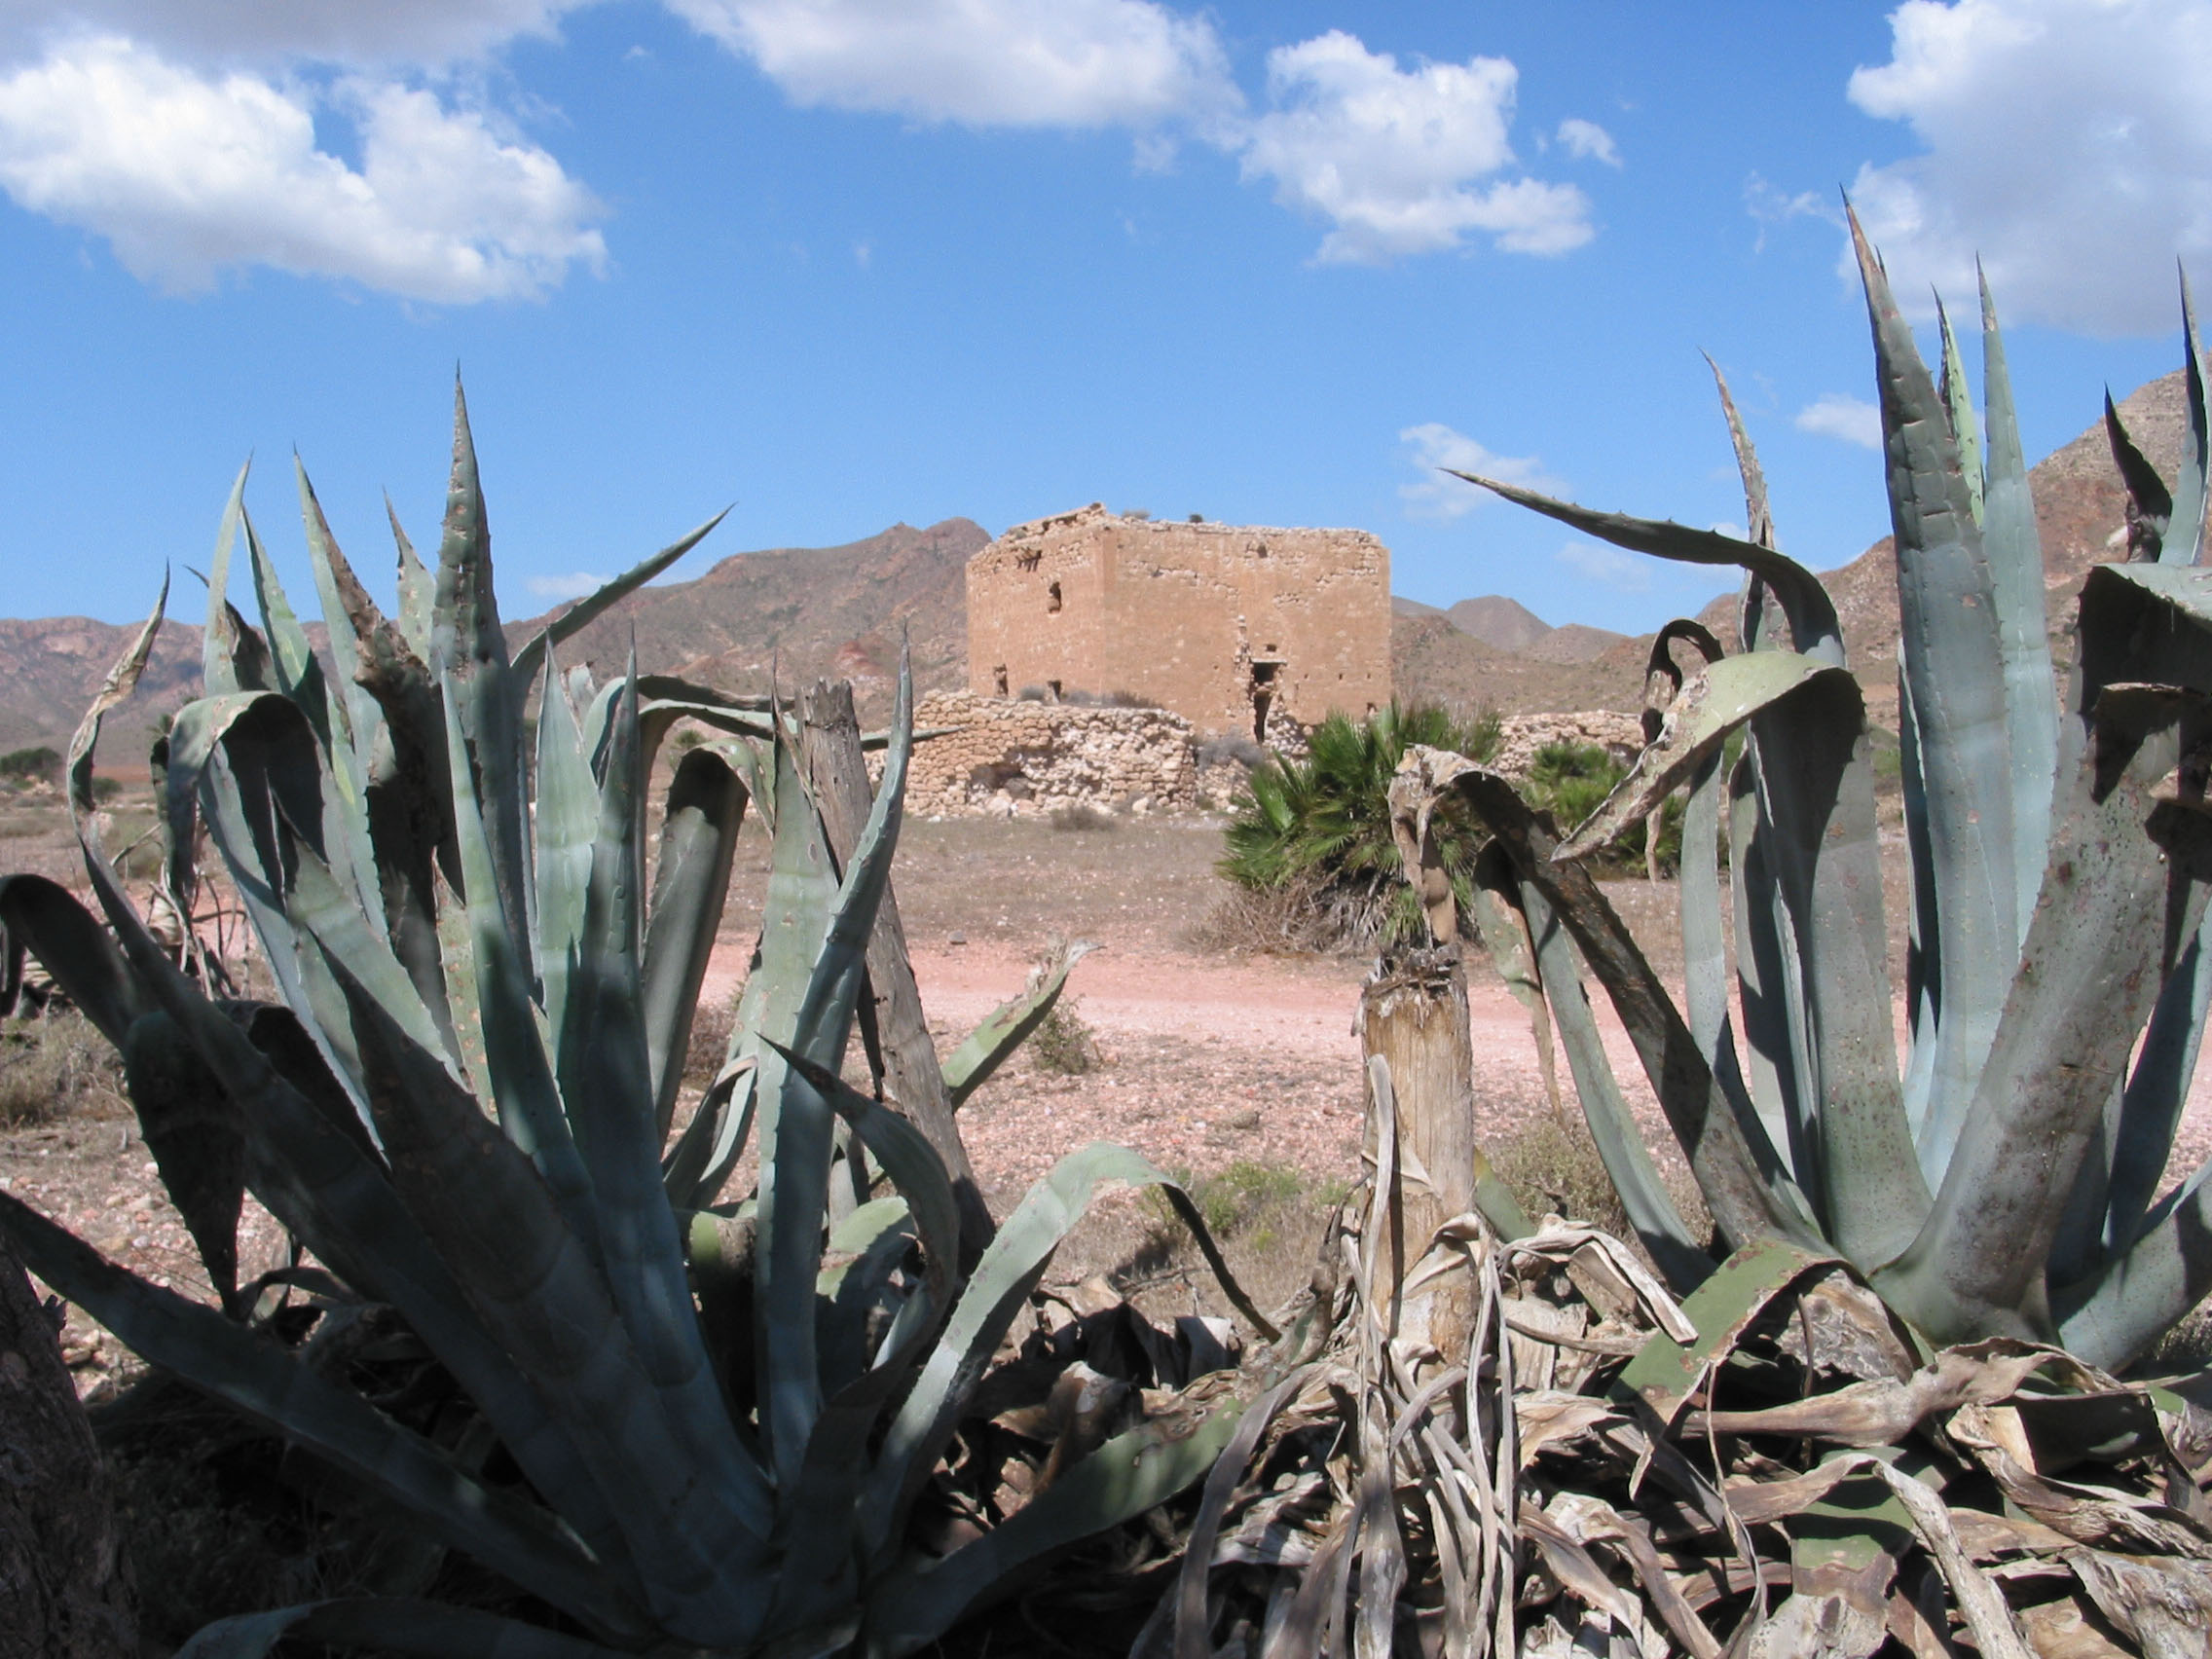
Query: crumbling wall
x,y
1520,736
1011,757
1235,628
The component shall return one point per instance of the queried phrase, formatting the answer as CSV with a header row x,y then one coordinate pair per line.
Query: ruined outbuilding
x,y
1235,628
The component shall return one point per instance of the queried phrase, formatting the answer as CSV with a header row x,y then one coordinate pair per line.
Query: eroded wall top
x,y
1227,625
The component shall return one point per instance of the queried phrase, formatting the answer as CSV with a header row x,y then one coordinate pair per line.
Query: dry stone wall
x,y
1520,736
1235,628
1011,757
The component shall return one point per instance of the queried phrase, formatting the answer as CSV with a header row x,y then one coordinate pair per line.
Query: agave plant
x,y
721,1418
2003,1177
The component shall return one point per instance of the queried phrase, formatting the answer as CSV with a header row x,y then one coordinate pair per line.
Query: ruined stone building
x,y
1228,626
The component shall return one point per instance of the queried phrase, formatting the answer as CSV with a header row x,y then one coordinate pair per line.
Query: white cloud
x,y
187,174
2069,142
1833,414
1587,141
1434,445
1079,63
1396,157
1605,566
575,585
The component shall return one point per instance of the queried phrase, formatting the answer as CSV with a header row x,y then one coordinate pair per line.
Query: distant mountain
x,y
799,614
1495,621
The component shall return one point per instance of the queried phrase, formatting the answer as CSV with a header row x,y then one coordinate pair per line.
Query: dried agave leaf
x,y
2164,1605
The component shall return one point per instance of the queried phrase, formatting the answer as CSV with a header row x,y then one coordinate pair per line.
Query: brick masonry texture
x,y
1233,627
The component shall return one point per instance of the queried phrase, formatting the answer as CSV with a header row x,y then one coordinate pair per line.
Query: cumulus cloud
x,y
575,585
2069,142
1587,141
1433,445
187,174
1082,64
1836,416
1600,565
1398,158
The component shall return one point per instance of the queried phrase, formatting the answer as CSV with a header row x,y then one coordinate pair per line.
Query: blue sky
x,y
847,262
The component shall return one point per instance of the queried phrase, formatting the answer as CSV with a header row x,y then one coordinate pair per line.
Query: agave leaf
x,y
605,1082
1124,1478
76,950
1711,704
1743,1181
1953,657
536,651
193,1131
2184,542
421,1629
1923,965
995,1292
482,1206
2157,1092
796,1137
122,680
327,1189
2105,929
567,824
1007,1027
1812,624
1619,1138
470,654
518,1071
2150,505
417,589
1757,518
2088,983
508,1534
1768,981
2014,547
1957,404
1504,930
1816,780
220,647
1666,1374
699,829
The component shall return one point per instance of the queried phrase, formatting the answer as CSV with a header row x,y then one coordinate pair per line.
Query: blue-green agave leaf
x,y
76,950
417,589
2183,543
1812,624
2014,547
1958,406
1953,657
508,1534
699,829
221,646
1131,1474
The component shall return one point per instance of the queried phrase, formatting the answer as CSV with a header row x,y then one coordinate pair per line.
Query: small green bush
x,y
1571,780
31,766
1063,1043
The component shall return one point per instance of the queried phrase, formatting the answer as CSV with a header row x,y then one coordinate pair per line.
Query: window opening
x,y
998,679
1052,597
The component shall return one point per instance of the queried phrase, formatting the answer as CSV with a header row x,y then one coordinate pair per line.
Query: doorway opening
x,y
1266,674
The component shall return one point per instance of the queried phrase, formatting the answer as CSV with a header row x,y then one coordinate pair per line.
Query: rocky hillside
x,y
800,612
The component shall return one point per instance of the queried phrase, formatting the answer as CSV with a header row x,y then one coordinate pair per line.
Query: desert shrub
x,y
1081,816
1124,698
1063,1042
711,1027
1318,829
53,1066
40,765
1030,694
1228,745
1571,780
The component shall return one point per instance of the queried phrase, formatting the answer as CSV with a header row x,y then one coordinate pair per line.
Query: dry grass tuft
x,y
55,1065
